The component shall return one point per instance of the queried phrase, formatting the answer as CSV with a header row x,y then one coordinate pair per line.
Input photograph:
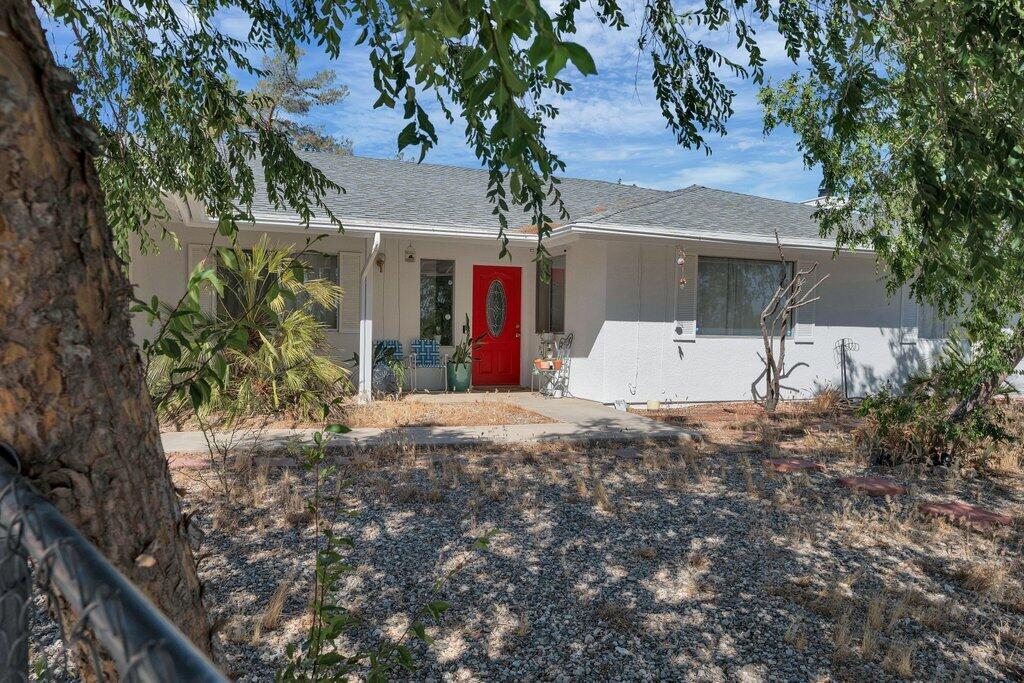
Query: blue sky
x,y
610,126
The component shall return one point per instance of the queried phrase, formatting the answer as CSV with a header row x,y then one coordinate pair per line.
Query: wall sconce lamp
x,y
410,254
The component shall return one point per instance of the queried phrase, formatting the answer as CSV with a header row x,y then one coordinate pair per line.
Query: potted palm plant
x,y
460,362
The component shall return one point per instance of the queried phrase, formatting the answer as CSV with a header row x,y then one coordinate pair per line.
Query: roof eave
x,y
366,226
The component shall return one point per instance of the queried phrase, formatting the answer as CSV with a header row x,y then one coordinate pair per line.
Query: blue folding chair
x,y
398,352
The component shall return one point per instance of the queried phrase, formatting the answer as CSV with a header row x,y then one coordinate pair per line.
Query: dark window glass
x,y
437,287
731,293
321,267
551,299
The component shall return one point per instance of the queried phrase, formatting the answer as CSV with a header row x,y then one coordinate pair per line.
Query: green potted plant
x,y
460,362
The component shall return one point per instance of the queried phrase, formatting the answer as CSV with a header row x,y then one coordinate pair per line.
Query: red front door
x,y
496,304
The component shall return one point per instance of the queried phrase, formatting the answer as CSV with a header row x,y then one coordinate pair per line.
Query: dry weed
x,y
842,637
788,496
407,494
834,600
522,624
582,492
647,552
271,618
619,617
899,659
493,490
676,478
935,615
876,611
796,635
869,642
698,561
601,497
748,477
986,578
828,401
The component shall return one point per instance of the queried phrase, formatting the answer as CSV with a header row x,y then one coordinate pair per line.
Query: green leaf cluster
x,y
914,114
265,354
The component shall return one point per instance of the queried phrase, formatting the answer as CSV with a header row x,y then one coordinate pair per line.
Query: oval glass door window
x,y
496,305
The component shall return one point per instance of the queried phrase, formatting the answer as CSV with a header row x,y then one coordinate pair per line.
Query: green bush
x,y
914,426
276,360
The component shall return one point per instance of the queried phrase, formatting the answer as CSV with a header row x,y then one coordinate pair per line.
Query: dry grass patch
x,y
407,494
899,659
647,552
412,413
602,499
581,490
271,618
842,638
796,635
985,578
619,617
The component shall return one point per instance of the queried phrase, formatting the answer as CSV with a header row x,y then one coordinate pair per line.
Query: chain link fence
x,y
98,610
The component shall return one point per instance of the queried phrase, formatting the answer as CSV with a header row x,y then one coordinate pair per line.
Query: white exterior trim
x,y
613,231
560,235
366,323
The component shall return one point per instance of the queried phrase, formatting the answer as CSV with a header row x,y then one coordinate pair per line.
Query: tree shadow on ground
x,y
642,562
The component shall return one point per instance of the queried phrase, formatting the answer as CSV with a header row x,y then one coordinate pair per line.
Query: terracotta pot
x,y
541,363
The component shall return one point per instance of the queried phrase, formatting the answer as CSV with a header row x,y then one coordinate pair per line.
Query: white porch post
x,y
366,323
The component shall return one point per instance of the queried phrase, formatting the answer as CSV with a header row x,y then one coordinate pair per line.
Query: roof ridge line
x,y
668,195
477,169
747,194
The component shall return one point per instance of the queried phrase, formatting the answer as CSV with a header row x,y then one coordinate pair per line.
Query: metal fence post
x,y
15,588
141,642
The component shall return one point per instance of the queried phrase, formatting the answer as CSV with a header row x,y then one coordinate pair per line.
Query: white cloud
x,y
610,125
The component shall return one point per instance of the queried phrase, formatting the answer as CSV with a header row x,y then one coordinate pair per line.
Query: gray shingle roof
x,y
704,209
402,192
389,190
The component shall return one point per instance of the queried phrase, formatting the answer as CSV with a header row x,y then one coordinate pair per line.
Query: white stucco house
x,y
419,253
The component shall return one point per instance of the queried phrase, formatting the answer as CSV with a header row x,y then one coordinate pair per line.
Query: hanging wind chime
x,y
681,262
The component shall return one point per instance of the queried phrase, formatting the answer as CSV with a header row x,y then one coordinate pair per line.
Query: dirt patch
x,y
410,413
797,427
403,412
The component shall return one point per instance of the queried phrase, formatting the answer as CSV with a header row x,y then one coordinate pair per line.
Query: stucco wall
x,y
620,305
634,340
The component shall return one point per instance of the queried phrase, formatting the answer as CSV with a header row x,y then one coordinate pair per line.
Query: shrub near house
x,y
276,314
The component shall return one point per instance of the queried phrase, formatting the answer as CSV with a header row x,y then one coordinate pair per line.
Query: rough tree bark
x,y
72,397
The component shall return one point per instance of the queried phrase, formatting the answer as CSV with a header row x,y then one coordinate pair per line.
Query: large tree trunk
x,y
72,397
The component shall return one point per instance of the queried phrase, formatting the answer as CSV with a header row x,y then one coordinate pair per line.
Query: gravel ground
x,y
630,563
643,563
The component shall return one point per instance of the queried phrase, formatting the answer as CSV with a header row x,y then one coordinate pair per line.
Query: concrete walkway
x,y
573,419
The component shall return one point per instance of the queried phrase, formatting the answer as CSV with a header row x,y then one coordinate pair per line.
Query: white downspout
x,y
366,324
